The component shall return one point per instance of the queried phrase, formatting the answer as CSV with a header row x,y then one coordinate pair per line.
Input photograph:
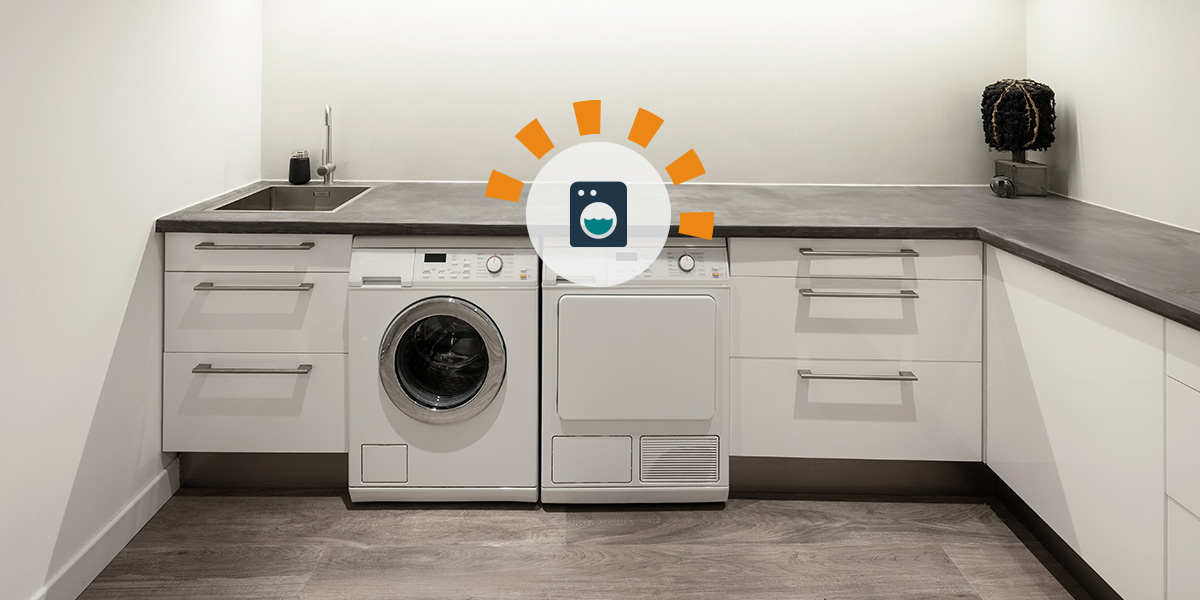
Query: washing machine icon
x,y
598,214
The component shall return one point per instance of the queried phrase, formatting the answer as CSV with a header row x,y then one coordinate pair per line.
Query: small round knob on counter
x,y
687,263
494,264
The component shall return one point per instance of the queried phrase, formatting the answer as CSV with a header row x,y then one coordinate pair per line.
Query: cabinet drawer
x,y
1183,553
254,312
255,252
1183,354
901,259
256,411
777,412
1183,444
781,317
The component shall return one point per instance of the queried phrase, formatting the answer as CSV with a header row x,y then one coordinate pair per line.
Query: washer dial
x,y
494,264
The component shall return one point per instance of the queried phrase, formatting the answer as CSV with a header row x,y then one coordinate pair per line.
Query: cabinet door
x,y
257,252
1183,354
861,319
856,409
832,257
1183,553
1183,444
254,312
214,402
1074,399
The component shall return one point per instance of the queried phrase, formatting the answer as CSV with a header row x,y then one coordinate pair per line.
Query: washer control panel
x,y
475,265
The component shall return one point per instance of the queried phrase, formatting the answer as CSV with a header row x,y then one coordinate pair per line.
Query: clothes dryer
x,y
635,388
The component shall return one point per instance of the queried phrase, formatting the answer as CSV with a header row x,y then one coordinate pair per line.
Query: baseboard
x,y
1087,578
775,475
71,580
263,470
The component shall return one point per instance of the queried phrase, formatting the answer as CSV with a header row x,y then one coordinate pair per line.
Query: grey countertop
x,y
1151,265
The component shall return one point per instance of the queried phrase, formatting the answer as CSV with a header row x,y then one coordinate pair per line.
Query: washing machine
x,y
443,376
635,381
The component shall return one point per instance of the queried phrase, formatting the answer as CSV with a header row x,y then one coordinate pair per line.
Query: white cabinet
x,y
257,252
1183,444
255,343
868,319
854,258
254,312
867,312
1183,553
1183,354
224,402
905,411
1075,416
1183,462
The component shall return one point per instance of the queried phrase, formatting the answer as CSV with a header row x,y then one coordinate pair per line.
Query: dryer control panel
x,y
685,265
694,263
474,265
675,265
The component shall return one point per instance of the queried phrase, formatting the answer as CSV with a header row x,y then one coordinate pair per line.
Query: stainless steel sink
x,y
310,198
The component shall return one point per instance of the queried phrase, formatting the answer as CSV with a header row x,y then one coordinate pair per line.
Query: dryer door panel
x,y
634,357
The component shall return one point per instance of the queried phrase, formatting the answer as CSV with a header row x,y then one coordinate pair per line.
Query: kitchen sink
x,y
310,198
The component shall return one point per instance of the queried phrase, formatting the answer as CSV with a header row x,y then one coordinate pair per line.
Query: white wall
x,y
1126,76
863,91
114,113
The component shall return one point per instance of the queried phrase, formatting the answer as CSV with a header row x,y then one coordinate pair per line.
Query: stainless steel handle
x,y
216,246
902,294
902,376
904,253
208,369
208,286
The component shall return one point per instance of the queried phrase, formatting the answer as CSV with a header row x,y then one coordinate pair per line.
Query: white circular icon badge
x,y
598,213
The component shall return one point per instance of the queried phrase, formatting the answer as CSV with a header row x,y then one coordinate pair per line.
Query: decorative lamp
x,y
1018,115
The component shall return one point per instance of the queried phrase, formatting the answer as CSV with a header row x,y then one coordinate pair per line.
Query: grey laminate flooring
x,y
241,544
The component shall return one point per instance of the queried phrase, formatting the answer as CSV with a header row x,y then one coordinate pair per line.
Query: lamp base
x,y
1029,178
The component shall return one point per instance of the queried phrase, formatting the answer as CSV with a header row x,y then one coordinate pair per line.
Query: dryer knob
x,y
494,264
687,263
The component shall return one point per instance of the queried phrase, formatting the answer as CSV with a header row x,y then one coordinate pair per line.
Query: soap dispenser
x,y
299,171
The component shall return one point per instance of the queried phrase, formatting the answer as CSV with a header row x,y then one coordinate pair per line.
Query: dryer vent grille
x,y
680,459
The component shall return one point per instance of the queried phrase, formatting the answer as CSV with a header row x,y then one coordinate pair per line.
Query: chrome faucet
x,y
326,168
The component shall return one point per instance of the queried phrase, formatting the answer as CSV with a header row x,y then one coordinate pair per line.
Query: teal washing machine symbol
x,y
598,214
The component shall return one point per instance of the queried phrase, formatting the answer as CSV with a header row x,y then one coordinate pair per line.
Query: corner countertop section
x,y
1148,264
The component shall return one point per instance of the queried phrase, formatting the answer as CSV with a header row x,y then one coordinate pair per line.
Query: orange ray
x,y
645,125
534,138
696,224
503,187
587,115
685,167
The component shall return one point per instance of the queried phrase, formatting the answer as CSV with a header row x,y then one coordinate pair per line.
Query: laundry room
x,y
562,299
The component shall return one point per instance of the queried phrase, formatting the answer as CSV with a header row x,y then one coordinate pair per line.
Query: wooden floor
x,y
312,545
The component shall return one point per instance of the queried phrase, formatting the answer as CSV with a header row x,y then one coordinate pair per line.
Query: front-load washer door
x,y
442,360
637,357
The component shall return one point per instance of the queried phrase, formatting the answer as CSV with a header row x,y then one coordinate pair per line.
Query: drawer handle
x,y
216,246
902,294
207,368
208,286
904,253
902,376
381,280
